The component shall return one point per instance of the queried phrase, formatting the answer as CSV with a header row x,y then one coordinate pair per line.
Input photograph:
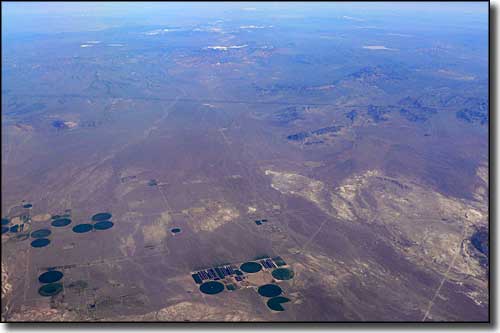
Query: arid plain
x,y
356,155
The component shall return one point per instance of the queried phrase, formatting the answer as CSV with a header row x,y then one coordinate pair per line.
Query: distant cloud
x,y
152,33
249,8
455,75
352,18
159,31
86,45
209,29
253,27
225,48
214,29
399,35
378,47
324,87
368,27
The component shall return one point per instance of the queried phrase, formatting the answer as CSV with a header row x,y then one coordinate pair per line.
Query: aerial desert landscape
x,y
245,162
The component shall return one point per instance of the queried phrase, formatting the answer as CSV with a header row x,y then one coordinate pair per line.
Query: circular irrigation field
x,y
101,217
61,222
50,289
211,287
50,277
282,274
275,303
40,242
81,228
41,233
251,267
269,290
103,225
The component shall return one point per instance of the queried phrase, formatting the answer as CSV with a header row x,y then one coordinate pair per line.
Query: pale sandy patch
x,y
40,217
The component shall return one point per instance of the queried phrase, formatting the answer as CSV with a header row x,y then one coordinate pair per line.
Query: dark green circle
x,y
275,303
28,205
4,230
282,274
212,287
101,217
62,222
41,233
81,228
50,277
251,267
269,290
40,242
50,289
175,230
5,221
103,225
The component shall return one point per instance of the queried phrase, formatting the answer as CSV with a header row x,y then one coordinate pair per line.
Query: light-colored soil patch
x,y
259,278
127,246
156,232
6,290
211,216
290,183
15,220
428,227
43,314
482,172
481,190
40,217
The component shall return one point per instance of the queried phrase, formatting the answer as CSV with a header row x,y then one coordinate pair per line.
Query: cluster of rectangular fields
x,y
215,273
267,263
235,273
19,224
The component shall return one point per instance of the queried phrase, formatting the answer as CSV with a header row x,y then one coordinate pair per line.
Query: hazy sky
x,y
81,16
